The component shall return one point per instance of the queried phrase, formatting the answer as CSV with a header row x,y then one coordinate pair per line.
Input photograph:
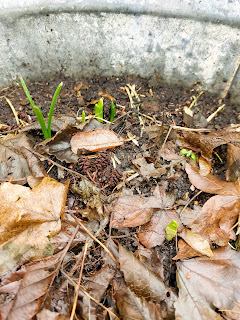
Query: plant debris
x,y
132,218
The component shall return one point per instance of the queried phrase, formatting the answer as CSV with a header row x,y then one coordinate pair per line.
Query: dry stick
x,y
83,290
79,281
13,110
229,83
65,250
215,113
57,164
94,238
101,227
164,142
189,201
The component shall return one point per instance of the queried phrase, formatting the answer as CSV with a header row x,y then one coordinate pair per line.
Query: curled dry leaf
x,y
185,251
104,94
23,291
59,145
206,284
17,161
147,169
143,282
95,140
208,142
211,184
132,307
233,161
153,233
217,217
196,241
28,218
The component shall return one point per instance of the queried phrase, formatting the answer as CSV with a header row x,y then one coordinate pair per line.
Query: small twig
x,y
189,201
57,164
65,250
103,224
215,113
95,239
14,112
79,281
190,129
164,142
195,100
83,290
229,83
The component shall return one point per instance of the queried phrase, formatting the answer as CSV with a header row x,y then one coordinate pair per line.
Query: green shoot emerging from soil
x,y
188,153
112,112
98,110
171,230
46,130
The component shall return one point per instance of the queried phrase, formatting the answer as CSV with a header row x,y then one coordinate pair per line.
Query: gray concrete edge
x,y
224,11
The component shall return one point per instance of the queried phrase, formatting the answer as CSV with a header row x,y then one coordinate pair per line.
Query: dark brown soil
x,y
160,102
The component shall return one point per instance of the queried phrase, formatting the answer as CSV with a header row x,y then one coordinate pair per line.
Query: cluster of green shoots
x,y
46,130
98,110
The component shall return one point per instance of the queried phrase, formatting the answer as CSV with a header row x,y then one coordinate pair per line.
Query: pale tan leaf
x,y
28,218
216,219
204,167
95,140
233,162
46,314
185,251
196,241
210,183
209,284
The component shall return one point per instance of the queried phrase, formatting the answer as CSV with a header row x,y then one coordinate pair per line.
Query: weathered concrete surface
x,y
179,42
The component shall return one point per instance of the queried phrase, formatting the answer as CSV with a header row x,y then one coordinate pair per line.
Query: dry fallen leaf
x,y
143,282
135,210
95,140
50,315
233,161
196,241
59,145
104,94
132,211
185,251
147,169
217,217
208,142
17,161
23,292
28,218
211,183
132,307
153,233
209,284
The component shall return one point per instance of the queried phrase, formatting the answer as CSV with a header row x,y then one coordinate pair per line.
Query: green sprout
x,y
46,130
171,230
83,116
112,111
188,153
98,110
